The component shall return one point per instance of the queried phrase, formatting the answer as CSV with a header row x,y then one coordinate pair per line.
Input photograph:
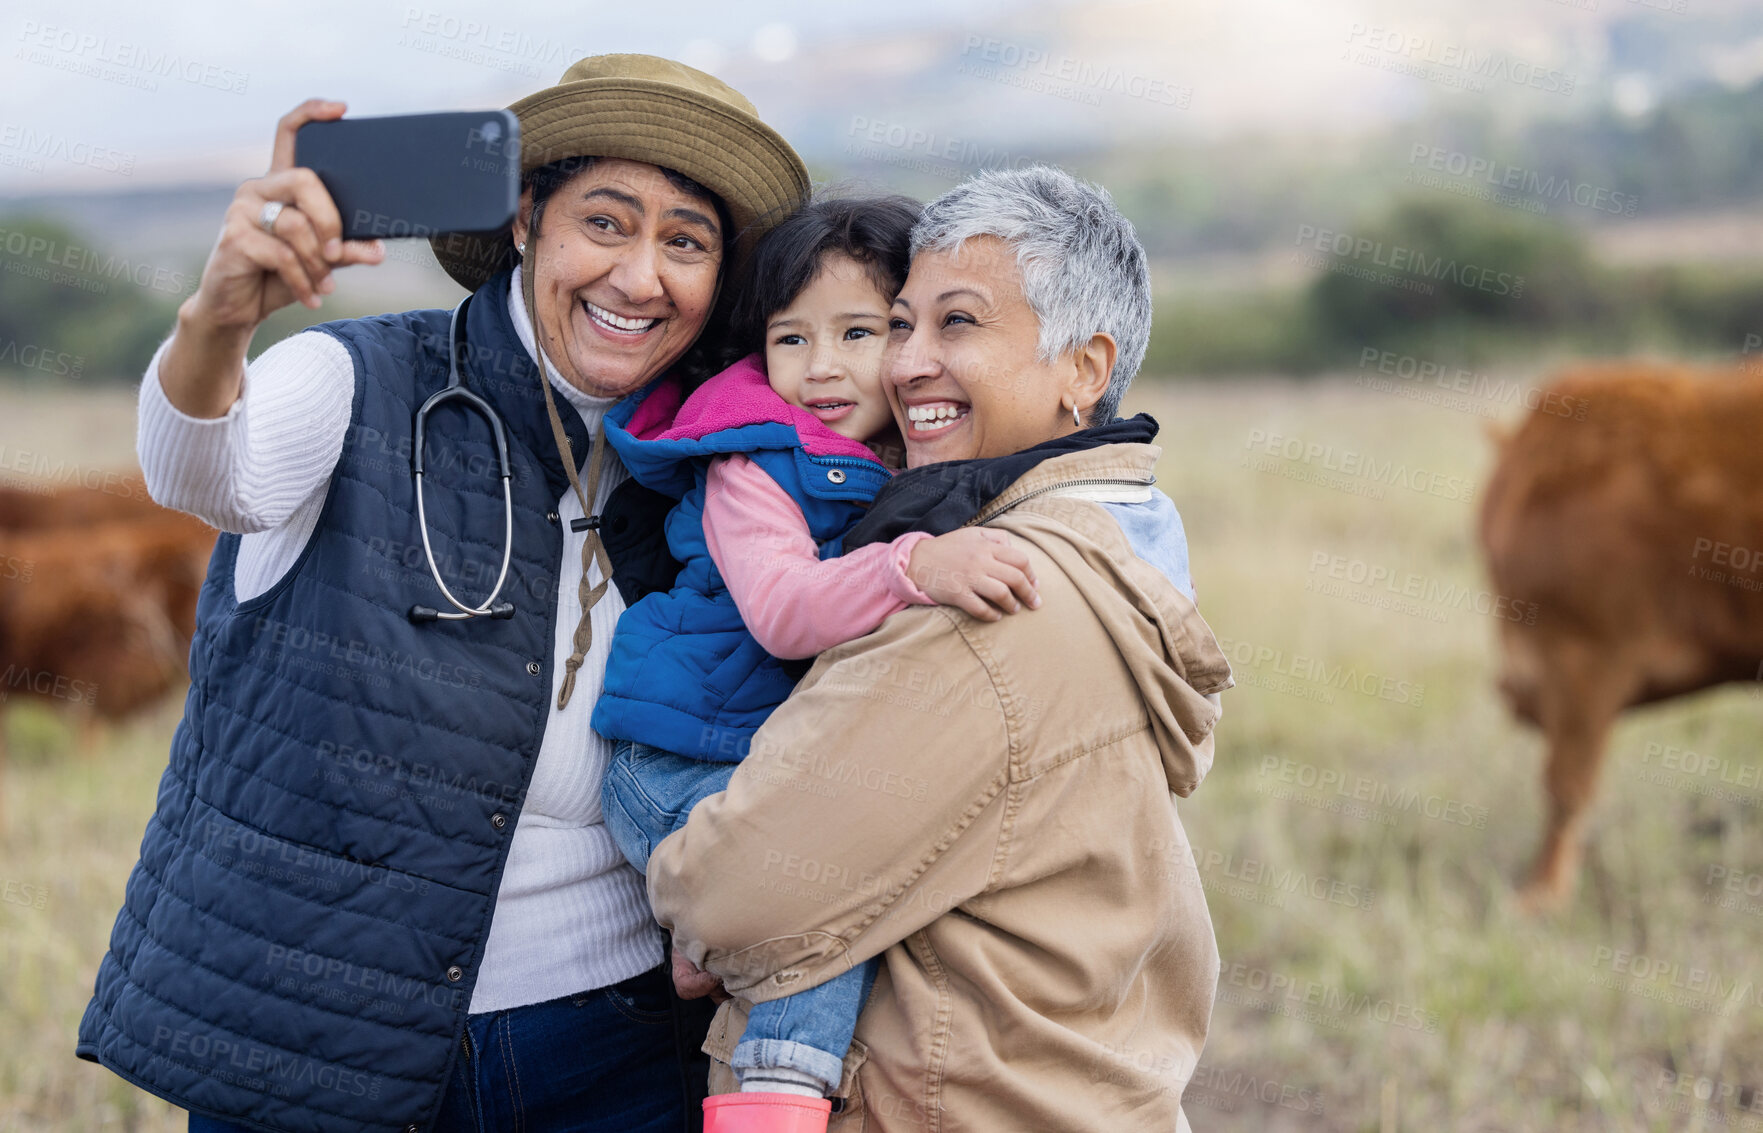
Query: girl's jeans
x,y
648,795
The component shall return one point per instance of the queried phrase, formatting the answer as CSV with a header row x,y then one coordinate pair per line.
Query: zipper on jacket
x,y
852,462
833,459
874,468
984,518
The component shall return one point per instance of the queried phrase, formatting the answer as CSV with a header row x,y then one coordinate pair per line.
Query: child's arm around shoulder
x,y
797,605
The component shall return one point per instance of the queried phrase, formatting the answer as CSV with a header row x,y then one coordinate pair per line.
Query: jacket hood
x,y
1121,540
662,435
738,396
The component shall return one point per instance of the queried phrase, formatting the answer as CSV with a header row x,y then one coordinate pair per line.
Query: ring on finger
x,y
267,218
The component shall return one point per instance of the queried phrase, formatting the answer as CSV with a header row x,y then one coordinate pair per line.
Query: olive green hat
x,y
644,108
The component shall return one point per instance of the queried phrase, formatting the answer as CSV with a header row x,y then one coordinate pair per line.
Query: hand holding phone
x,y
281,239
335,187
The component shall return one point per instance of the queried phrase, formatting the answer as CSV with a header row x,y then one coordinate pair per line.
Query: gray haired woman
x,y
990,806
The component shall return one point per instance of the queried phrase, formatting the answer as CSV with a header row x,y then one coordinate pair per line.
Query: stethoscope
x,y
455,391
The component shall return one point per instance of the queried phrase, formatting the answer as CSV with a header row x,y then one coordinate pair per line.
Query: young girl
x,y
774,459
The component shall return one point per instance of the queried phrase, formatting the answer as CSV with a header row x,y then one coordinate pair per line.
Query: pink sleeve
x,y
795,604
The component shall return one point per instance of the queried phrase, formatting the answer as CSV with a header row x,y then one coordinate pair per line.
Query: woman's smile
x,y
620,329
930,418
623,324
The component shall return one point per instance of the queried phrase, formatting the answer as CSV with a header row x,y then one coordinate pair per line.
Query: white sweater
x,y
571,914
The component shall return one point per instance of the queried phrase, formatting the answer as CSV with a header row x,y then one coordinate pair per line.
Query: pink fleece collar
x,y
740,395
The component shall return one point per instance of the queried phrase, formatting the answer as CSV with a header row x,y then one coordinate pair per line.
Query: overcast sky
x,y
194,78
113,94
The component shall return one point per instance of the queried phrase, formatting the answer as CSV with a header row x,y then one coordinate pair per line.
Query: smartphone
x,y
415,175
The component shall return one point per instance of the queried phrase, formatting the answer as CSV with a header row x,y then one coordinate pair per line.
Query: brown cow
x,y
1629,509
100,617
97,598
120,495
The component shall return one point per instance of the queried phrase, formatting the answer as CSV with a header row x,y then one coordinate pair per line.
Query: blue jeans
x,y
648,794
612,1060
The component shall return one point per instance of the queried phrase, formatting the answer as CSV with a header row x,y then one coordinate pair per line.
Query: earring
x,y
1075,421
521,247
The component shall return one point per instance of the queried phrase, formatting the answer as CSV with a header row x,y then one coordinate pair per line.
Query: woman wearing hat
x,y
376,892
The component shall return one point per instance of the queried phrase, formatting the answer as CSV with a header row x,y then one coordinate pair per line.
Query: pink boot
x,y
765,1113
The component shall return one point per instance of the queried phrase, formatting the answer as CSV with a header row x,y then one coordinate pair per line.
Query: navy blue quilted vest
x,y
299,941
684,674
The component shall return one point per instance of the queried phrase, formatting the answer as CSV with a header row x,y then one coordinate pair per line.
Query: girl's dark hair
x,y
710,353
874,231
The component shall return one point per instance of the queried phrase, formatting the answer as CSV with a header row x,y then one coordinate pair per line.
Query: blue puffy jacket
x,y
684,674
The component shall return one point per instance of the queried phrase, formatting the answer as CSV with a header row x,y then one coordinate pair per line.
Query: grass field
x,y
1370,808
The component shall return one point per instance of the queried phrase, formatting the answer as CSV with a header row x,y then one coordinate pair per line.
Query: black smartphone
x,y
415,175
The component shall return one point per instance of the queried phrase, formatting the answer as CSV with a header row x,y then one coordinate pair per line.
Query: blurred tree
x,y
64,298
1462,267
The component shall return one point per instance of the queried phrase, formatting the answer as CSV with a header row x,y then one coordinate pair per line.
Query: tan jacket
x,y
989,807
